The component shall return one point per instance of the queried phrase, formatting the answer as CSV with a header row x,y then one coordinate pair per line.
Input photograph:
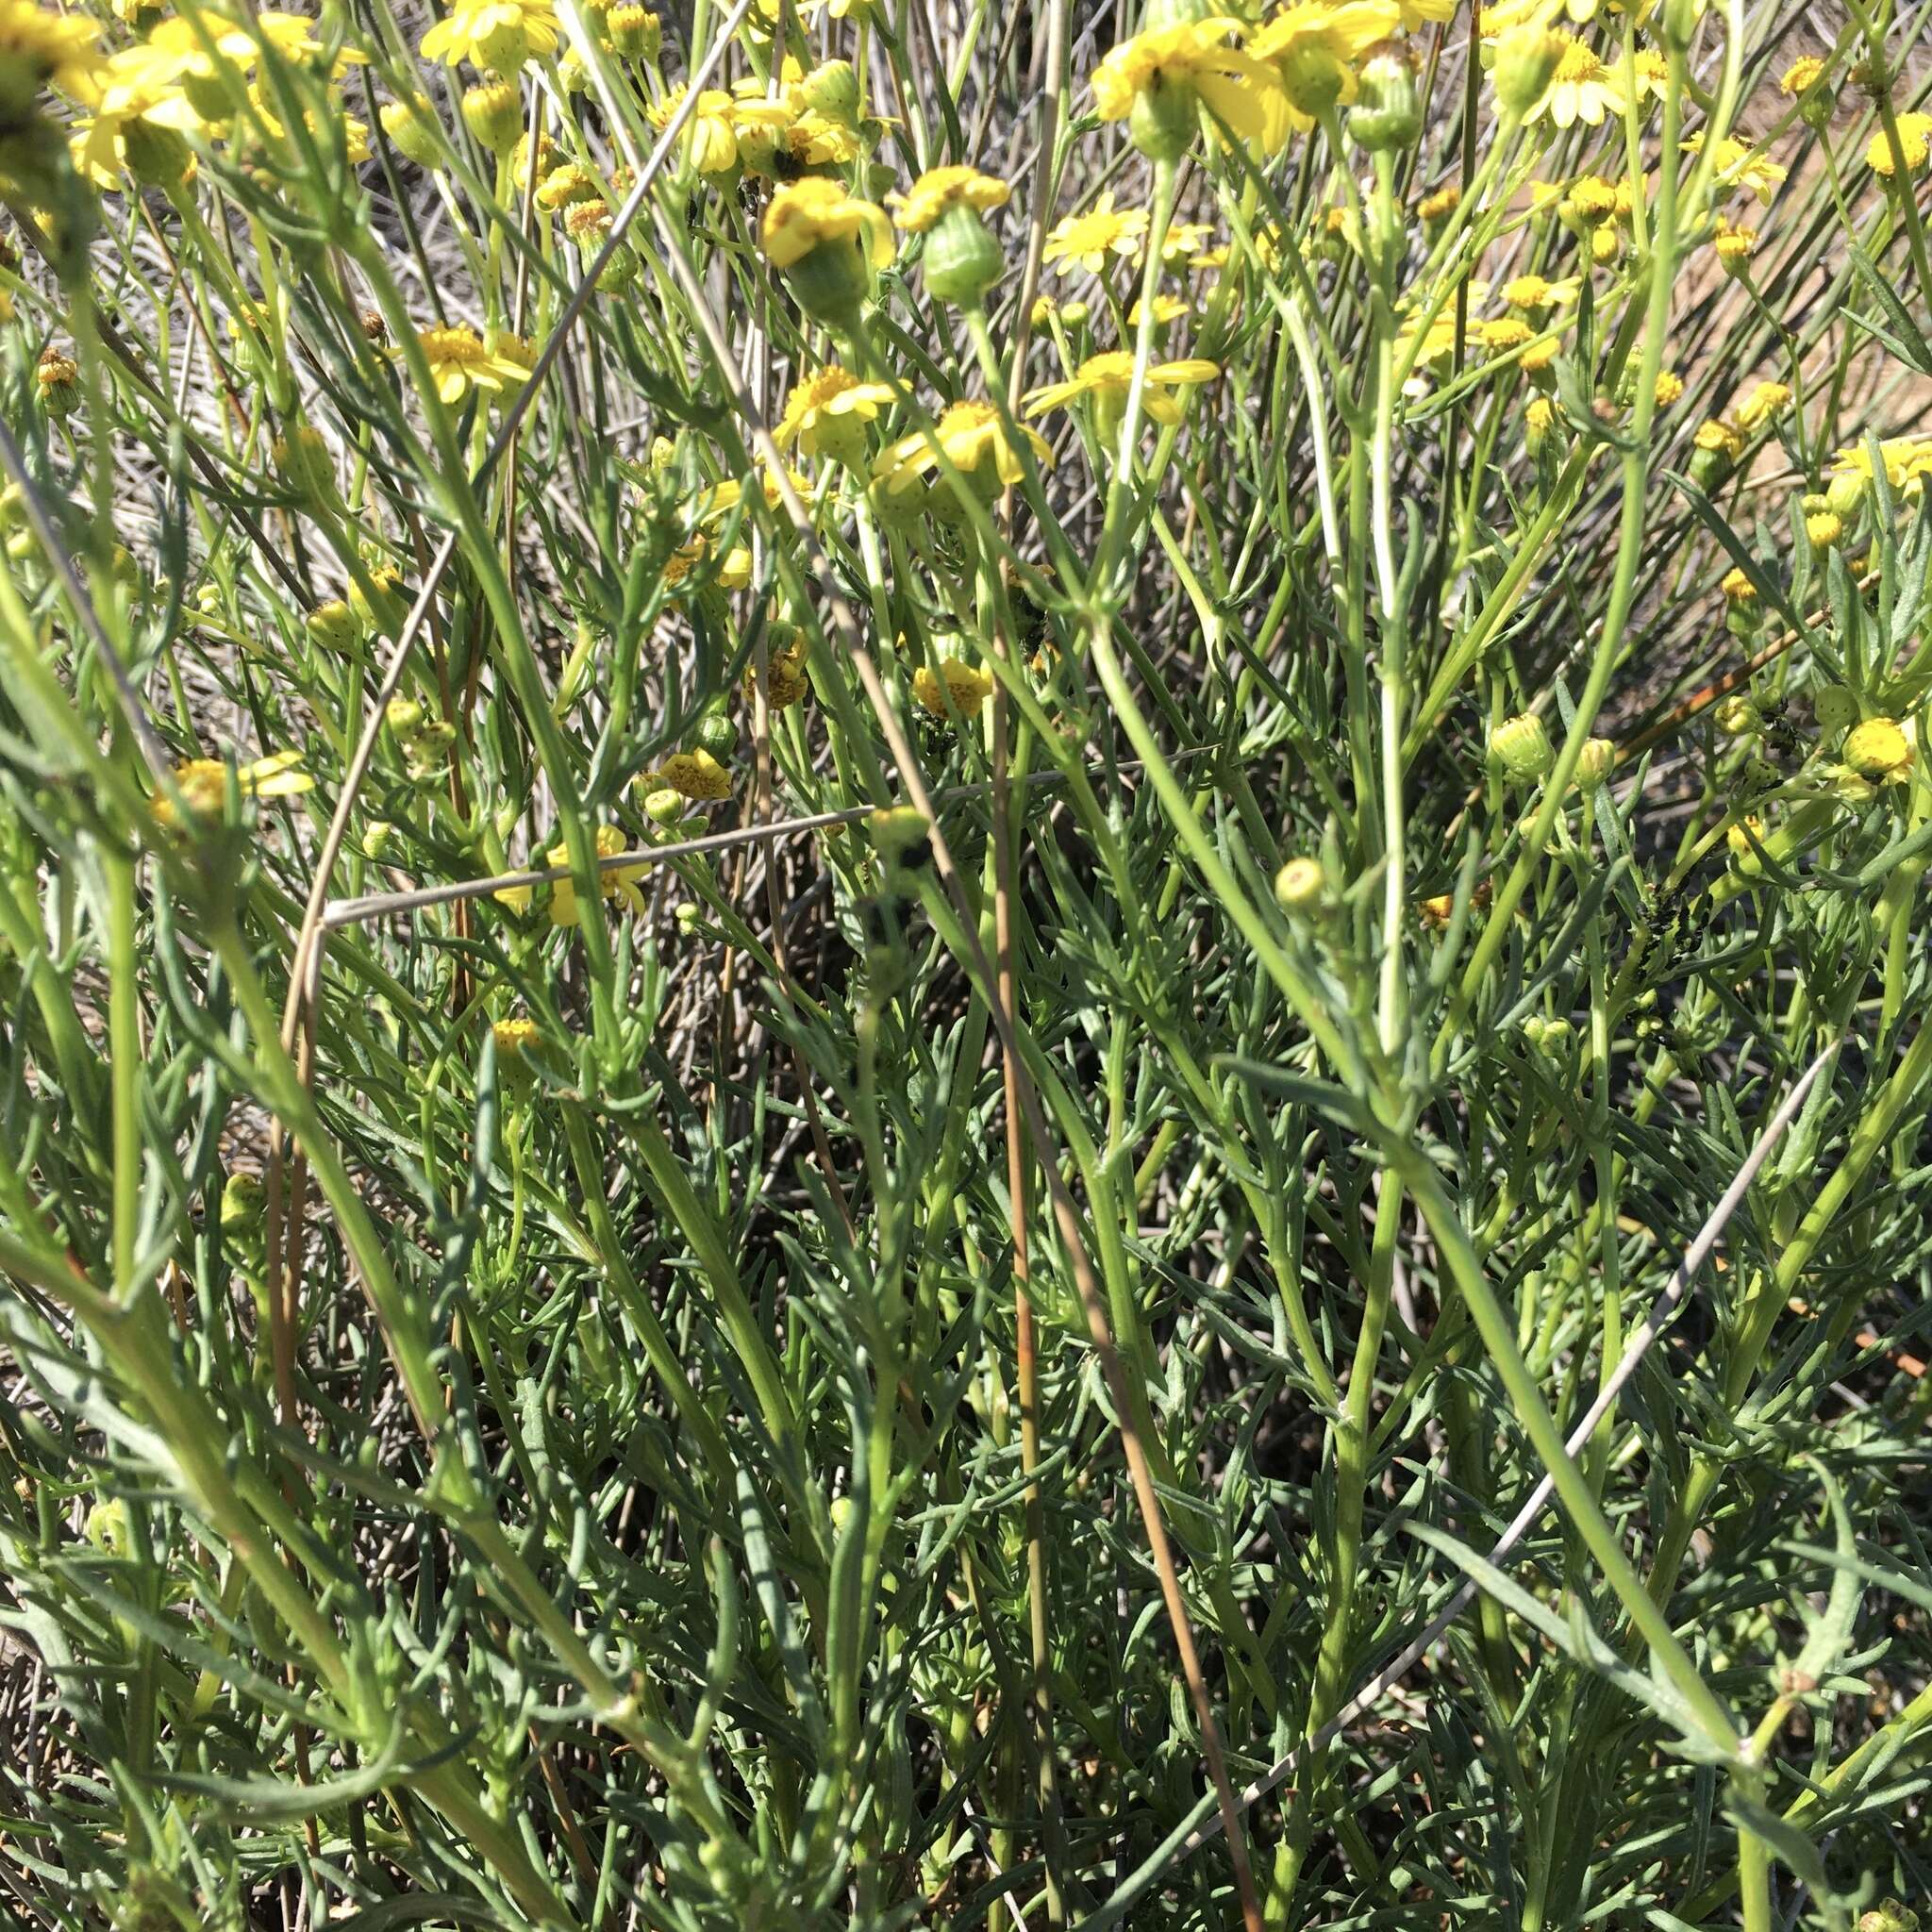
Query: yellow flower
x,y
1503,333
1107,378
1440,205
1420,13
613,882
1173,67
939,190
1801,76
204,783
956,683
1734,244
1532,293
804,215
515,1037
975,443
1086,241
1717,438
1670,387
1765,403
1582,88
1914,143
1740,165
826,413
1738,587
460,360
499,35
354,132
1167,309
1652,74
1881,749
711,136
1186,242
38,48
1314,45
136,115
695,774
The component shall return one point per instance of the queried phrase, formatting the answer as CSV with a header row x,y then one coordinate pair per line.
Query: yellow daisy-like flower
x,y
1194,60
695,774
204,783
1186,241
39,49
515,1037
957,684
613,882
1533,294
1421,13
711,136
354,133
128,102
804,214
1739,165
1314,46
1801,76
1908,461
460,360
1670,388
1503,333
1765,403
826,413
1167,309
938,191
1104,231
1107,378
1914,144
499,35
1582,88
975,443
1652,74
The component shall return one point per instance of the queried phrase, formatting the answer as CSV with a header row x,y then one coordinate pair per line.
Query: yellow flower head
x,y
460,360
515,1037
1314,47
956,686
204,783
39,48
1533,294
695,774
1107,379
941,189
1914,142
499,35
1765,403
1881,749
1582,88
1734,244
1738,165
975,443
1801,76
1192,61
804,215
826,413
710,135
1087,241
613,882
1670,387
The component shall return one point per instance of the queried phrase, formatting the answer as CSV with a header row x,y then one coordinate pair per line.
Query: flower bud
x,y
1526,63
1520,748
1387,113
494,112
1737,717
379,835
412,127
56,382
1300,887
1835,709
899,832
831,89
1162,121
664,806
962,261
634,33
332,627
717,735
382,608
1313,77
1890,1916
1595,764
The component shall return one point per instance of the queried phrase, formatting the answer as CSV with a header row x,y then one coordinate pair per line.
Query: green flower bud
x,y
1387,113
383,606
410,125
962,259
1595,764
377,837
1526,63
494,112
1301,888
831,89
1835,709
333,626
56,382
634,33
718,735
1520,748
